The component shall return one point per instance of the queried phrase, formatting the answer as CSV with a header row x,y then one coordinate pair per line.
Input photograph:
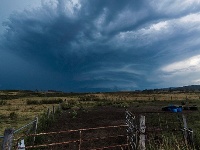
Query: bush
x,y
89,98
65,106
13,115
2,102
74,114
121,104
183,103
44,101
56,101
32,102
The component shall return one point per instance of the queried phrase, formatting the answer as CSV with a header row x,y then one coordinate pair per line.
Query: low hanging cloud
x,y
105,44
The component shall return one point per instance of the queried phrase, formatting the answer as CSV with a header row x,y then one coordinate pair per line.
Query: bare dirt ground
x,y
92,117
101,116
105,116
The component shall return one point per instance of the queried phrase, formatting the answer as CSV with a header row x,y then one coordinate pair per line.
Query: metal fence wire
x,y
158,130
138,133
109,137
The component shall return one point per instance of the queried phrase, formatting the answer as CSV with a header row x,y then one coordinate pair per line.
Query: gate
x,y
109,137
130,136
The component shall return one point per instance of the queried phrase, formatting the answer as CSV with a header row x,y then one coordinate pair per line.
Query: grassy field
x,y
20,107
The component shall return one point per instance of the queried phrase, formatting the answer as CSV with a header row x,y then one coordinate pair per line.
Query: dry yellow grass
x,y
143,96
25,112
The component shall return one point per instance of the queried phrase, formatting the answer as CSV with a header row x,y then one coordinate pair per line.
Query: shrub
x,y
183,103
89,98
74,114
44,101
32,102
13,115
121,104
65,106
56,101
2,102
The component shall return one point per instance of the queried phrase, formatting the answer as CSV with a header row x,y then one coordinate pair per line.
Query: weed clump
x,y
70,104
2,102
13,116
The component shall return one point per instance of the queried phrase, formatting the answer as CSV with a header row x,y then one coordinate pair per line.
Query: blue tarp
x,y
173,108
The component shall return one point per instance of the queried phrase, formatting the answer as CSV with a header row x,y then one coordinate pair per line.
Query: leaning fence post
x,y
7,140
142,133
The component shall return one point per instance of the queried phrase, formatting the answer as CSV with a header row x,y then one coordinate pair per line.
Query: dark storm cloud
x,y
103,44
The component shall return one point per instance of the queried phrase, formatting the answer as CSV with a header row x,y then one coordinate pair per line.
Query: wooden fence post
x,y
142,133
53,112
191,138
59,107
53,109
80,142
185,135
48,113
188,133
35,128
7,140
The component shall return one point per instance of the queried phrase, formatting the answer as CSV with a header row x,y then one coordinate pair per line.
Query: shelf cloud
x,y
101,45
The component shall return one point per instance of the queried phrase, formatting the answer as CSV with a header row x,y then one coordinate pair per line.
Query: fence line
x,y
81,139
135,127
9,134
85,129
52,144
15,131
36,120
137,132
108,147
74,141
7,139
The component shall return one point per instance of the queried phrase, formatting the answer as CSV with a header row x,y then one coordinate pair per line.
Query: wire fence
x,y
139,132
10,138
108,137
158,131
10,134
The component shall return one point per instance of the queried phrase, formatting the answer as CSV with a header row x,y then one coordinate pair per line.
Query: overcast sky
x,y
99,45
